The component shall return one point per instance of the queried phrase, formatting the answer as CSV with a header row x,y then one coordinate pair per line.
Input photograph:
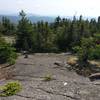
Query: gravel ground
x,y
66,85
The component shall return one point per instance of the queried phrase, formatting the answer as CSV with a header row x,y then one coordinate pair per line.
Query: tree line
x,y
59,36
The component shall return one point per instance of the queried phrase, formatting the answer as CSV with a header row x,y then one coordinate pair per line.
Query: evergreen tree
x,y
25,36
8,28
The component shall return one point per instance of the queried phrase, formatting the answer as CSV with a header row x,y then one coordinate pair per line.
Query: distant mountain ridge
x,y
32,18
35,18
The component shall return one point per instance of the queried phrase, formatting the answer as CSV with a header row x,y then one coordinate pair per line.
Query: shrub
x,y
7,52
48,78
76,49
10,89
97,37
95,53
84,49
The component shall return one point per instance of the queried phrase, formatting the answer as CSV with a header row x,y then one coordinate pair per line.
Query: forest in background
x,y
62,35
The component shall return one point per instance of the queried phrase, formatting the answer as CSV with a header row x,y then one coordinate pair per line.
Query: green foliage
x,y
76,49
84,49
97,38
10,89
8,28
7,52
59,36
44,37
95,52
48,78
88,49
25,35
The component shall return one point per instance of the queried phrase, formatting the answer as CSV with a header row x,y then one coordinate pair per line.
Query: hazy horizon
x,y
52,7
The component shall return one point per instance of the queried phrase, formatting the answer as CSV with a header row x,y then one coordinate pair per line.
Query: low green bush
x,y
95,52
84,49
10,89
76,49
48,78
7,52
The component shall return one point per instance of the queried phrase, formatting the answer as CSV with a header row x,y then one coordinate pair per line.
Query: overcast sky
x,y
52,7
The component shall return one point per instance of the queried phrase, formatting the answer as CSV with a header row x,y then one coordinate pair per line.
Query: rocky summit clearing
x,y
62,84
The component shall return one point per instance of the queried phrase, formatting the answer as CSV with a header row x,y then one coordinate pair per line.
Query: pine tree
x,y
8,28
25,36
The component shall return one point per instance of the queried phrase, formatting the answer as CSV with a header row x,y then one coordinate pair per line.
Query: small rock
x,y
58,63
65,83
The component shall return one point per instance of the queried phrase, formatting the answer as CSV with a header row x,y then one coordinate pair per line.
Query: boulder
x,y
94,76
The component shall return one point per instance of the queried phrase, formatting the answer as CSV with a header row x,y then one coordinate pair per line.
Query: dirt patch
x,y
6,71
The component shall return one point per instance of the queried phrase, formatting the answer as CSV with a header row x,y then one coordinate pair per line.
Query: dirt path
x,y
65,85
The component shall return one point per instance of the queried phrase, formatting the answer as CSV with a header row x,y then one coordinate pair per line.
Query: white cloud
x,y
20,1
53,7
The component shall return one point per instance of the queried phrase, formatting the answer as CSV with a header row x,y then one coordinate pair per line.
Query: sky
x,y
52,7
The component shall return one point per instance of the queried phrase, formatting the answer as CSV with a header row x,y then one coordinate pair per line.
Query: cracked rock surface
x,y
65,84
